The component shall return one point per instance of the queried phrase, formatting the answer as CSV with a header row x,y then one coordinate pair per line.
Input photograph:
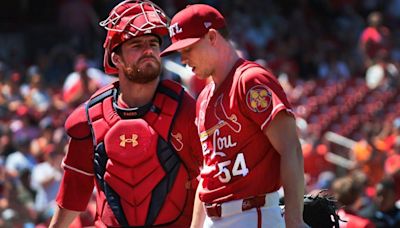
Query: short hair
x,y
375,19
346,190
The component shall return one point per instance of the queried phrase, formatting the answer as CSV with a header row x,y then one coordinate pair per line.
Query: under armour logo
x,y
174,29
125,140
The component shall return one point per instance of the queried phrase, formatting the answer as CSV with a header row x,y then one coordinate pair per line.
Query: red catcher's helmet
x,y
128,19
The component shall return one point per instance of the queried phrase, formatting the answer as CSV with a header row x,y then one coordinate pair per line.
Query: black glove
x,y
320,210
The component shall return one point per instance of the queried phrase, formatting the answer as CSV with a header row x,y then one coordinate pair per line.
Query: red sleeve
x,y
261,96
75,191
77,183
79,157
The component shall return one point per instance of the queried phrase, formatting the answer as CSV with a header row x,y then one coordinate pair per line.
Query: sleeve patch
x,y
258,98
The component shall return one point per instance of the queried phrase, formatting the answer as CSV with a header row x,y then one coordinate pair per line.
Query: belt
x,y
215,209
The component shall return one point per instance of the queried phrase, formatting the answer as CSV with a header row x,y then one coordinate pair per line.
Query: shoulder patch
x,y
258,98
76,124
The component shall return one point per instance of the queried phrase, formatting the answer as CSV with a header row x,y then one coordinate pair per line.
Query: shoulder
x,y
368,33
188,103
250,71
76,125
172,85
105,88
15,157
255,77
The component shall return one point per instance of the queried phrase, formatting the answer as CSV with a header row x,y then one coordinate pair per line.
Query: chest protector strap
x,y
160,115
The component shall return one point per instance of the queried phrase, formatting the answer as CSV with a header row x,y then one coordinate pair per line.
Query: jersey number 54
x,y
239,168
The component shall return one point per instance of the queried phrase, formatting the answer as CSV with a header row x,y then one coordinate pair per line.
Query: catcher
x,y
134,140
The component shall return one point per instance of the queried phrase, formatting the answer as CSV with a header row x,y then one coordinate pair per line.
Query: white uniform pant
x,y
232,215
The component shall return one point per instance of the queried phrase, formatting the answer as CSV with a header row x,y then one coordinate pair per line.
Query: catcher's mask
x,y
128,19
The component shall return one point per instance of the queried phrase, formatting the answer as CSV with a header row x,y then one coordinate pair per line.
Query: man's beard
x,y
146,73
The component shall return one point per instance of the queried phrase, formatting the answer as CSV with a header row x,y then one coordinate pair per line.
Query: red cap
x,y
191,24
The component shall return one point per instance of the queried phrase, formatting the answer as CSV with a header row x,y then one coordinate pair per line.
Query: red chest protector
x,y
138,171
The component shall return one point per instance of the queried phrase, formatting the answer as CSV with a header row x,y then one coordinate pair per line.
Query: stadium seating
x,y
342,106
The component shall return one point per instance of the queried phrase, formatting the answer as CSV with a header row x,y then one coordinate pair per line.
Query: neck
x,y
226,61
135,94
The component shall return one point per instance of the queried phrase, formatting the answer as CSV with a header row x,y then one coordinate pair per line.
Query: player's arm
x,y
283,136
63,217
77,182
198,210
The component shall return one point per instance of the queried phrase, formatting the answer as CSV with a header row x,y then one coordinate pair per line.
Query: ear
x,y
115,59
212,36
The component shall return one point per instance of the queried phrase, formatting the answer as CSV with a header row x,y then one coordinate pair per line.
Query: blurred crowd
x,y
338,61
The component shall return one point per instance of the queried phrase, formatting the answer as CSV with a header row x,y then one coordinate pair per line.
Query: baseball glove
x,y
320,210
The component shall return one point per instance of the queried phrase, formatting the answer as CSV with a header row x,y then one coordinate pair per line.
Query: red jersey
x,y
350,220
375,40
239,160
